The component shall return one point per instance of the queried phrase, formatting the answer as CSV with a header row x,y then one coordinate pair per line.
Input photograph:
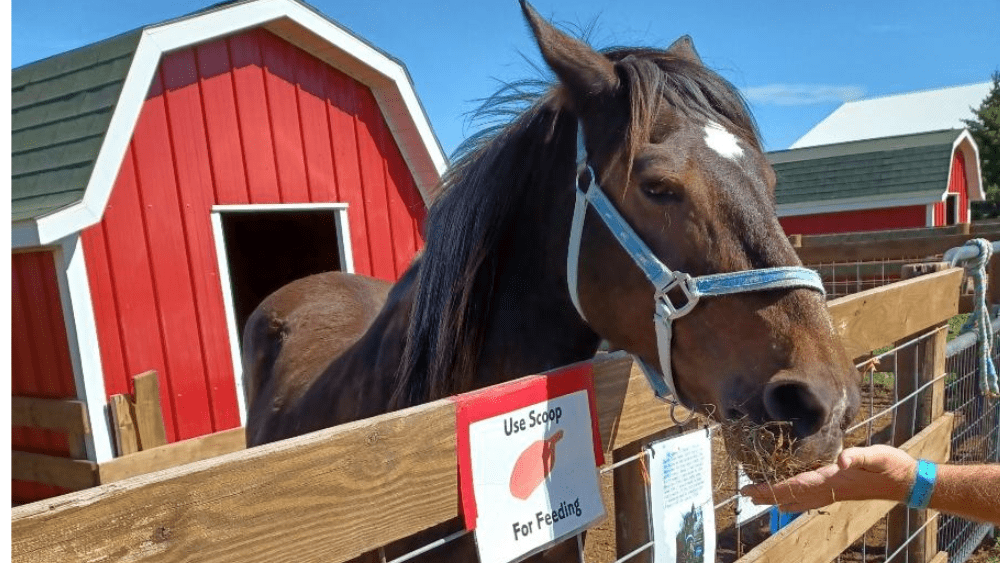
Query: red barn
x,y
899,182
165,180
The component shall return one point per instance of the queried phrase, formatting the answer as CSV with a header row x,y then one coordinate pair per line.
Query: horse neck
x,y
532,325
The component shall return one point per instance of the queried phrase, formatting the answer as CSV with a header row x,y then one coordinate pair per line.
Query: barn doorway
x,y
266,247
951,209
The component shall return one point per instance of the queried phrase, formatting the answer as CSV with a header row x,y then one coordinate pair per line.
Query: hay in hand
x,y
766,451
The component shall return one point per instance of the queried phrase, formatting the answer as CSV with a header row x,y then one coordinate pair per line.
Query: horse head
x,y
674,149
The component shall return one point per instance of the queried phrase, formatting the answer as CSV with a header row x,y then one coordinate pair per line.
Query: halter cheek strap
x,y
665,281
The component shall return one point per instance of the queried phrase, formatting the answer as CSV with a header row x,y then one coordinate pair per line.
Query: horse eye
x,y
663,191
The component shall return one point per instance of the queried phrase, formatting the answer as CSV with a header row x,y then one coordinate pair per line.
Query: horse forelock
x,y
655,79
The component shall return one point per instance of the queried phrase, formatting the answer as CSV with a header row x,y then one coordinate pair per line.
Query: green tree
x,y
985,129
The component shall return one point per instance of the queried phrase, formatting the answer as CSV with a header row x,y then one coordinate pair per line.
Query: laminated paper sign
x,y
746,509
681,497
528,456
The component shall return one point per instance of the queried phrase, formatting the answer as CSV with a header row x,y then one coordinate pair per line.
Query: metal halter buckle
x,y
686,285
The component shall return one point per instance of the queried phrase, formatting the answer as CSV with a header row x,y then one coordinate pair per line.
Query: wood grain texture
x,y
892,234
123,419
148,411
880,249
993,285
334,494
52,414
819,536
931,408
877,317
326,496
73,474
173,455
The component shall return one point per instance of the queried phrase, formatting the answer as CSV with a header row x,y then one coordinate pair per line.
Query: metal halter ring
x,y
673,417
686,285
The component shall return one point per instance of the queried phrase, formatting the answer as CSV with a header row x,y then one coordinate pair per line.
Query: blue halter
x,y
664,280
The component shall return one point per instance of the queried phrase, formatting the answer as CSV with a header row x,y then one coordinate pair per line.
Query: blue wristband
x,y
923,485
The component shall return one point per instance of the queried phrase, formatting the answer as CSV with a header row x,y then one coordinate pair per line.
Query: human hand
x,y
875,472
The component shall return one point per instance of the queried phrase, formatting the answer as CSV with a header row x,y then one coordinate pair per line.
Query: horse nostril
x,y
795,402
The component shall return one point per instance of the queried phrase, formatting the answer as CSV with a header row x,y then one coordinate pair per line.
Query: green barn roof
x,y
886,168
60,110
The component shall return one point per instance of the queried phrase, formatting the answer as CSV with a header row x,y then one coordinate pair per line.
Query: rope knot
x,y
975,268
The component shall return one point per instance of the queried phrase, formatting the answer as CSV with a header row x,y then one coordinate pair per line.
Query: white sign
x,y
681,498
534,477
746,509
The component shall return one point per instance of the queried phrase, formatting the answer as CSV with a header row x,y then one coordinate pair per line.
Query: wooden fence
x,y
334,494
140,439
850,262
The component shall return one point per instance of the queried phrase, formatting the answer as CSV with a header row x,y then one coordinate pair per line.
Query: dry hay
x,y
767,452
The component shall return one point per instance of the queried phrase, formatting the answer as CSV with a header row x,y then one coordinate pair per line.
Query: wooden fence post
x,y
148,412
632,517
126,436
138,419
993,283
916,366
932,407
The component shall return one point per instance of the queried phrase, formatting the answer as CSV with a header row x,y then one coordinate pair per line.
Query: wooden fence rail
x,y
986,229
59,415
899,249
140,438
334,494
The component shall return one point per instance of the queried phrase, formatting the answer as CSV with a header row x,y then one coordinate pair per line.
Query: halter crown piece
x,y
664,280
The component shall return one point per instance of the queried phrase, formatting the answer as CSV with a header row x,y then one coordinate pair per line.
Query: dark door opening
x,y
269,249
951,209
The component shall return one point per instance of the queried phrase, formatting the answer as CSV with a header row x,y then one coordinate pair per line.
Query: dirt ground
x,y
987,552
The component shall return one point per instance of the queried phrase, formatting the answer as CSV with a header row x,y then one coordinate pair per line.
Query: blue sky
x,y
794,61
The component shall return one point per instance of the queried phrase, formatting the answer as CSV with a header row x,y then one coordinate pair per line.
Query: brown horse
x,y
677,152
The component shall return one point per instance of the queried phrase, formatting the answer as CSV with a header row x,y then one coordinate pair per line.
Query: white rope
x,y
980,317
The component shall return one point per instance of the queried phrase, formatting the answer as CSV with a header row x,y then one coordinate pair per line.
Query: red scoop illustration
x,y
533,466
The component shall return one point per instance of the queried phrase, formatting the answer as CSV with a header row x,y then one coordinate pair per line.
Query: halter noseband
x,y
665,281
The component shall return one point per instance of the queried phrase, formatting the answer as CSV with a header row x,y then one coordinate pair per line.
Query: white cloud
x,y
802,94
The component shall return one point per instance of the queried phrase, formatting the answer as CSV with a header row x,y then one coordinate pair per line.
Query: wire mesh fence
x,y
841,279
894,389
976,435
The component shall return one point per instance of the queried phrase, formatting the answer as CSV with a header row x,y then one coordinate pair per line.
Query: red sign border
x,y
499,399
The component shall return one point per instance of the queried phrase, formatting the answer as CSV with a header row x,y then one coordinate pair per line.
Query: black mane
x,y
485,187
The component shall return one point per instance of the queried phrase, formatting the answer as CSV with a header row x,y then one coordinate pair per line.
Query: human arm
x,y
969,491
886,473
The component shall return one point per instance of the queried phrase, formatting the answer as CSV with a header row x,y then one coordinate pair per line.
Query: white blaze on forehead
x,y
722,141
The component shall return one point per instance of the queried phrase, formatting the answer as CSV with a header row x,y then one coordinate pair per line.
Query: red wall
x,y
248,119
956,185
40,363
856,221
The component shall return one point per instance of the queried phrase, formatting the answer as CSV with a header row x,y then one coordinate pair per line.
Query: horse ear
x,y
583,71
683,48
